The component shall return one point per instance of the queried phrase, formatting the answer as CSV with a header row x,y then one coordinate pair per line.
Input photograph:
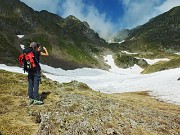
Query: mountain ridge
x,y
161,32
73,44
61,36
158,38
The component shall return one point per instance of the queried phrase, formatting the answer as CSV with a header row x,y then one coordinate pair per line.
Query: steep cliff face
x,y
71,43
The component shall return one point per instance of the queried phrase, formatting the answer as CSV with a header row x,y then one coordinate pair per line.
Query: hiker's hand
x,y
45,52
44,48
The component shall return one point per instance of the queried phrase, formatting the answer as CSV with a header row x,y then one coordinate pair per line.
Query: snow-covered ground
x,y
128,52
178,53
150,61
116,42
162,85
20,36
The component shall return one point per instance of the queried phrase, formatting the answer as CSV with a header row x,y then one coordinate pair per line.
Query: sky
x,y
106,16
161,85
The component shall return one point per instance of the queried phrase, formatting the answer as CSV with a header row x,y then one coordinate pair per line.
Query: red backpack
x,y
27,59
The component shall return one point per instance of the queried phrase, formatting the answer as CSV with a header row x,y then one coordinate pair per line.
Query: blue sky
x,y
106,16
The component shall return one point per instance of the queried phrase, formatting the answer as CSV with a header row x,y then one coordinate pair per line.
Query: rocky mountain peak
x,y
71,17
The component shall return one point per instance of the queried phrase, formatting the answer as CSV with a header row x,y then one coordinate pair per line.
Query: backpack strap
x,y
20,58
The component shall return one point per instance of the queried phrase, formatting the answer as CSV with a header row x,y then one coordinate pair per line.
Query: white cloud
x,y
167,5
138,12
97,21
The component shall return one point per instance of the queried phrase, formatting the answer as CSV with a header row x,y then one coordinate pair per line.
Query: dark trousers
x,y
33,84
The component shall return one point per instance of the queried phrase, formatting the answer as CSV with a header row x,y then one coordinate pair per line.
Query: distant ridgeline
x,y
161,33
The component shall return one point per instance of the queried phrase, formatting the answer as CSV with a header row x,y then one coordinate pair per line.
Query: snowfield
x,y
162,85
20,36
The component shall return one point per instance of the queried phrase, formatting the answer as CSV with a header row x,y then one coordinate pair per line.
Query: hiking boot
x,y
31,101
37,102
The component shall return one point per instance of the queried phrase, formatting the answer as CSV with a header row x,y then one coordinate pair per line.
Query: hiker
x,y
34,75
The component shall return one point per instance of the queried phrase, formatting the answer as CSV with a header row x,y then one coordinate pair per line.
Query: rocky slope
x,y
74,108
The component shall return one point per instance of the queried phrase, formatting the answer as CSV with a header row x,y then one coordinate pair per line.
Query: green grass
x,y
76,53
162,65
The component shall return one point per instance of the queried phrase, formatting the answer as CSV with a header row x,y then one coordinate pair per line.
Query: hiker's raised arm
x,y
45,53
